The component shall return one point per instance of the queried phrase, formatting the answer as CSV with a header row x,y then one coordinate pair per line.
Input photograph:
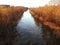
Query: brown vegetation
x,y
9,17
48,16
10,14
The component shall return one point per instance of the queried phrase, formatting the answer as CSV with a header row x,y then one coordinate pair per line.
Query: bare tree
x,y
54,2
59,2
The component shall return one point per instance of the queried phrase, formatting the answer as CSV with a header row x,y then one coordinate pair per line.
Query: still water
x,y
29,33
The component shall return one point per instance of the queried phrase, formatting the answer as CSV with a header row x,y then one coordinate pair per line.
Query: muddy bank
x,y
9,17
48,16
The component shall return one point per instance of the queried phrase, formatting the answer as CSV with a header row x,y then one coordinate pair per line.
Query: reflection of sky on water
x,y
27,19
28,30
27,24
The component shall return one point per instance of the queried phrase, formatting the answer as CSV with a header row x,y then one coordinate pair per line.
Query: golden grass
x,y
9,17
48,16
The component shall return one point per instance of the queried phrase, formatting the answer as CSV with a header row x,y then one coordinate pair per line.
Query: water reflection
x,y
27,24
31,32
28,32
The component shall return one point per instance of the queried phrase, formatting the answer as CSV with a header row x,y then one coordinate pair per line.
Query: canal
x,y
30,32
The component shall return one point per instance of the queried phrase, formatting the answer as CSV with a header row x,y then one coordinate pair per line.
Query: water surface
x,y
29,33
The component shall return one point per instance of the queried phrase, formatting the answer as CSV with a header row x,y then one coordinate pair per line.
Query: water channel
x,y
29,33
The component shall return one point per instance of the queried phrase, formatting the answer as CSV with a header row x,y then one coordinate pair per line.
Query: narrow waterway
x,y
29,33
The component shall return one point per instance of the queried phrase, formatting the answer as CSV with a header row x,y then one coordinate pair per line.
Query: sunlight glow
x,y
26,3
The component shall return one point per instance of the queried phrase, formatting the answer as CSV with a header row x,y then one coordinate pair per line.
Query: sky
x,y
26,3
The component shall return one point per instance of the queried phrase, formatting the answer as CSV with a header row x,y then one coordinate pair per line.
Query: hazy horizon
x,y
26,3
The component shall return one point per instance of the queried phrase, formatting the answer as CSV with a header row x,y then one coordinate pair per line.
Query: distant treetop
x,y
54,2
